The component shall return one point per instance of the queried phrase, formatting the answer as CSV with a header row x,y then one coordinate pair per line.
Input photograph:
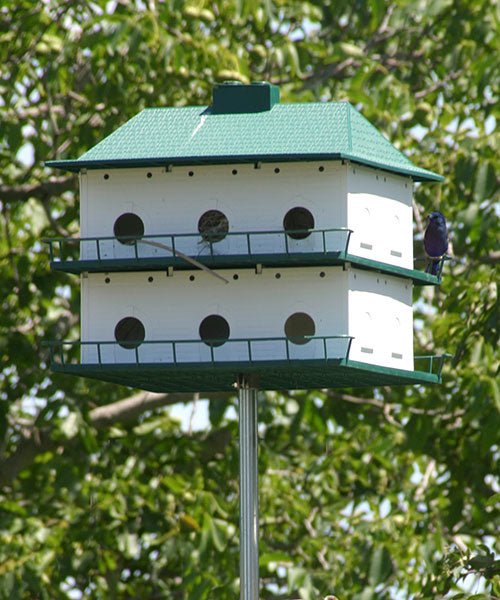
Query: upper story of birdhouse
x,y
246,180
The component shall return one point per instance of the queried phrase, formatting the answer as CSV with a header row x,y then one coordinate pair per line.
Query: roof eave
x,y
415,173
76,166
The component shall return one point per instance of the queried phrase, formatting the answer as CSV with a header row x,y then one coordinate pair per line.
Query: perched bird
x,y
435,241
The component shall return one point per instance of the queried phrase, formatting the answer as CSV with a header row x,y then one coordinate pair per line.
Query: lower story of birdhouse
x,y
213,314
292,328
289,328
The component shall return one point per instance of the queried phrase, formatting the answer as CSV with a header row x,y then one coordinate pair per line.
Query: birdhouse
x,y
249,237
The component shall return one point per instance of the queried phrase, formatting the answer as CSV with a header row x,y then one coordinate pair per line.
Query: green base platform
x,y
275,375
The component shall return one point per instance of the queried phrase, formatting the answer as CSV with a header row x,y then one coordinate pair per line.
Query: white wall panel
x,y
379,314
381,319
375,309
380,214
172,308
252,200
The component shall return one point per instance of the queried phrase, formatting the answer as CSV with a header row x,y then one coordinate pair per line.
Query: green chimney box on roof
x,y
234,97
246,124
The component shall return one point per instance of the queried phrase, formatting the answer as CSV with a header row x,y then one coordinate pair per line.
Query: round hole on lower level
x,y
236,276
128,228
107,280
299,328
149,175
277,170
321,169
192,278
322,274
214,330
130,333
213,226
151,279
297,223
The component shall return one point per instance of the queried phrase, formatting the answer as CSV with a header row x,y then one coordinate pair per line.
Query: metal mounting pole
x,y
249,492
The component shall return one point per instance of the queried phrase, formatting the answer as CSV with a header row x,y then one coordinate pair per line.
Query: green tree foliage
x,y
374,494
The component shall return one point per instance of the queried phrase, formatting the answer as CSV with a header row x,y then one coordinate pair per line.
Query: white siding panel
x,y
255,306
381,319
380,214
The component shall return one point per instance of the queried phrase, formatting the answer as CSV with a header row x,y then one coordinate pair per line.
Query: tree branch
x,y
40,191
438,85
387,408
335,70
38,441
129,409
492,258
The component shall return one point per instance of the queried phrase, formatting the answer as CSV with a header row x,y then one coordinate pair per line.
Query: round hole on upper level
x,y
321,169
106,176
107,280
299,327
151,279
234,171
149,174
130,333
213,226
322,274
236,276
128,227
297,222
191,173
192,278
277,170
214,330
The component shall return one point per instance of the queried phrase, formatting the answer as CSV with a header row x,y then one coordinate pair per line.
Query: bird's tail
x,y
433,267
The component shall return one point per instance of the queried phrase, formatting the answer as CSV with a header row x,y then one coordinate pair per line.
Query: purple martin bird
x,y
435,241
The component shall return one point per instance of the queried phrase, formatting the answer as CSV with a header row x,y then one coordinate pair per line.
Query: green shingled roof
x,y
284,132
